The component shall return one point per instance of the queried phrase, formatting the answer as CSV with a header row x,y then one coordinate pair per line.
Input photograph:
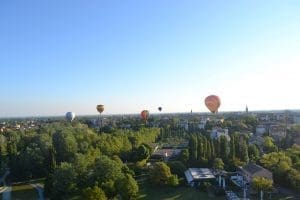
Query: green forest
x,y
79,162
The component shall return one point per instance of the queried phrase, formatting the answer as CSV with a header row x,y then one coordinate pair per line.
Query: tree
x,y
107,172
232,147
217,147
127,187
173,181
218,164
205,150
3,144
262,184
200,148
293,178
177,167
94,193
141,153
31,162
253,152
184,156
269,145
63,181
65,145
271,160
224,149
160,174
212,146
193,145
51,160
244,152
208,153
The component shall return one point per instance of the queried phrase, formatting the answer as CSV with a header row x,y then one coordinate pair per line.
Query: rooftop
x,y
253,168
200,173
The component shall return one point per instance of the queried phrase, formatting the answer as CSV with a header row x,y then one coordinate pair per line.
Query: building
x,y
260,130
252,170
165,153
201,125
277,132
184,124
296,118
257,140
218,132
195,176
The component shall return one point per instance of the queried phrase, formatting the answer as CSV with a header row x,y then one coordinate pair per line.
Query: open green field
x,y
179,193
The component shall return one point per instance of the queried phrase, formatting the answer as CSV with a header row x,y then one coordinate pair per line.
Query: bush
x,y
204,186
173,181
177,167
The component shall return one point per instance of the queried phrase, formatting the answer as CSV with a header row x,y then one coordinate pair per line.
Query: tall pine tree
x,y
224,148
193,144
232,147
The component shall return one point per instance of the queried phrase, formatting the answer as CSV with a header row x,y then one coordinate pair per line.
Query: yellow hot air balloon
x,y
100,108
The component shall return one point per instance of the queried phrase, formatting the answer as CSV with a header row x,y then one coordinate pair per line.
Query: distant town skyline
x,y
59,56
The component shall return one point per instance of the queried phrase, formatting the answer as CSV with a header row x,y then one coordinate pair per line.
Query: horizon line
x,y
154,113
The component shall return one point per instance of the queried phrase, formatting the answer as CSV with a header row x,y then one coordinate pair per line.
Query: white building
x,y
218,132
194,176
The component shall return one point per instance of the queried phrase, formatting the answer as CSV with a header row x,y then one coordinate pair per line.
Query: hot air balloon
x,y
100,108
145,115
213,103
70,116
160,109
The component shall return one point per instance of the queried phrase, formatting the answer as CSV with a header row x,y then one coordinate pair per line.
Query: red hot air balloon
x,y
213,103
145,114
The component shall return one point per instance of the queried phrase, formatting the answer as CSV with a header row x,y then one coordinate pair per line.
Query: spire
x,y
246,109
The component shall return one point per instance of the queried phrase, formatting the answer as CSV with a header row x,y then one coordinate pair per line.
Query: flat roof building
x,y
196,175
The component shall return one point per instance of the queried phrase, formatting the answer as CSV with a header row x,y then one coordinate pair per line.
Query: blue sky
x,y
58,56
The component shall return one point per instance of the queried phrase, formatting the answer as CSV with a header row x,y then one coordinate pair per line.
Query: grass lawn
x,y
273,197
20,192
179,193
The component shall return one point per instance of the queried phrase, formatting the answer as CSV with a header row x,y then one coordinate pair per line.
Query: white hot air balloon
x,y
70,116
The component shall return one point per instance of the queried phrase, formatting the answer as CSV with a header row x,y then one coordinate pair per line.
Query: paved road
x,y
40,190
6,194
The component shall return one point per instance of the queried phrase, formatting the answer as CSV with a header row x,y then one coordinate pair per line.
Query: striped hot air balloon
x,y
145,115
100,108
213,103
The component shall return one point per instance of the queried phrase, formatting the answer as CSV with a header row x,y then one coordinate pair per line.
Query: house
x,y
165,154
184,124
260,130
252,170
218,132
296,118
277,132
202,123
257,140
195,176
